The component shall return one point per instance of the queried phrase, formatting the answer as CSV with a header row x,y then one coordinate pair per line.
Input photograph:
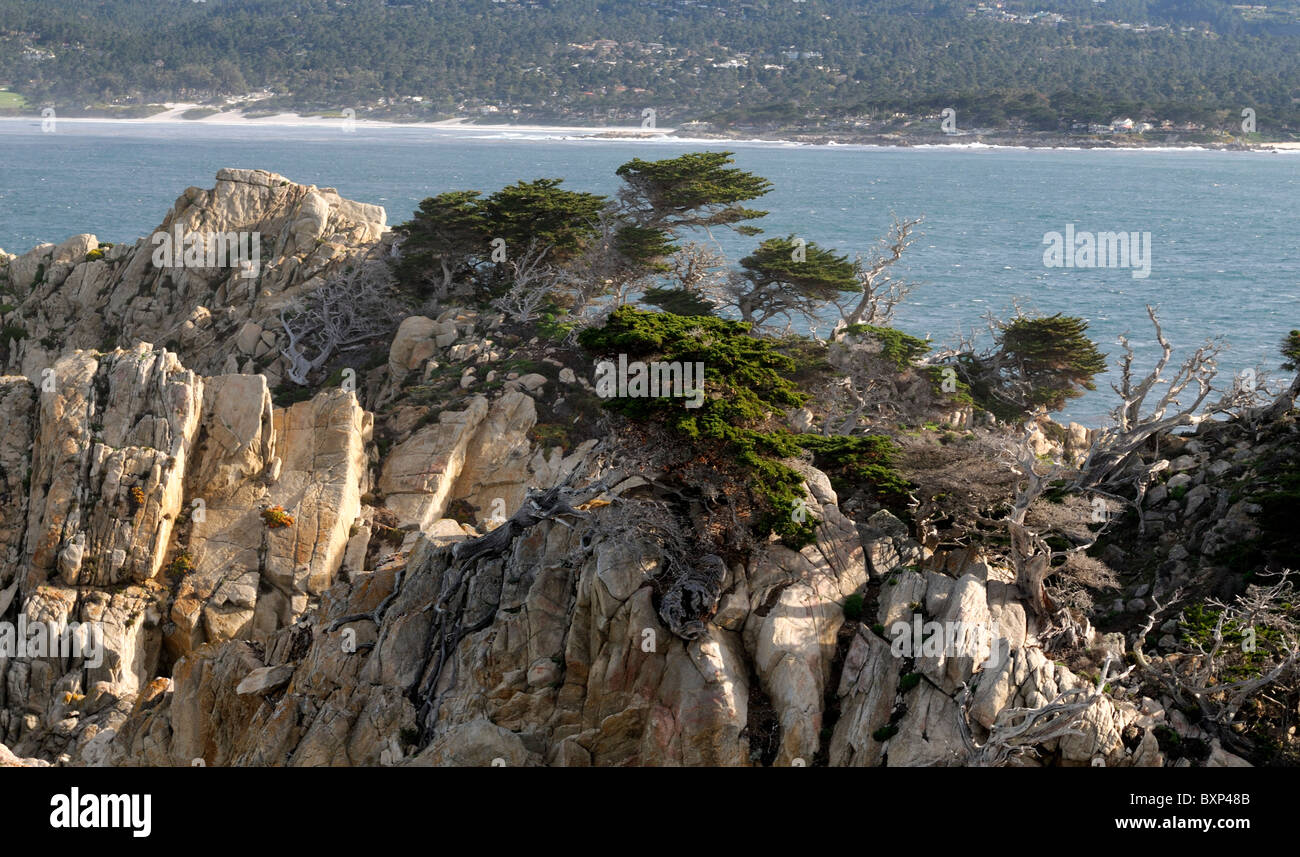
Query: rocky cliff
x,y
444,558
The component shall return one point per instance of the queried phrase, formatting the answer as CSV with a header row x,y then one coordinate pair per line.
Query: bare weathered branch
x,y
881,294
348,311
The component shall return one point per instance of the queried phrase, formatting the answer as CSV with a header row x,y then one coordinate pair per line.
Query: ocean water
x,y
1224,256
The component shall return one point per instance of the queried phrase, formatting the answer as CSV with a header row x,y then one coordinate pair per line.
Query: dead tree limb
x,y
531,282
880,293
350,310
1136,419
1197,676
1018,731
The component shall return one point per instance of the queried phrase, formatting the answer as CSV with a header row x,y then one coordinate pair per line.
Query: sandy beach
x,y
174,114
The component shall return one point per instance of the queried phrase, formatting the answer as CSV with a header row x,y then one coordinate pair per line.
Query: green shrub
x,y
939,375
1196,625
746,393
182,565
1291,351
1051,357
853,607
284,395
858,460
897,347
548,435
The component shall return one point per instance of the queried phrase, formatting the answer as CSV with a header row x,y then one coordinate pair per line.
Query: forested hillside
x,y
1040,63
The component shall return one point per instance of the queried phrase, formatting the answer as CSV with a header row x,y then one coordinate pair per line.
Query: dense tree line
x,y
822,58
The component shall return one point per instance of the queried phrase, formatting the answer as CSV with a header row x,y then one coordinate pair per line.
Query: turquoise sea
x,y
1225,258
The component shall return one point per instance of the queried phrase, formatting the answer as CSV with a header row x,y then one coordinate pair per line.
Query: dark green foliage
x,y
644,246
1035,363
1175,746
819,274
908,682
678,301
543,212
746,393
693,190
787,277
1196,625
1291,351
660,199
747,370
810,364
1276,488
549,435
884,733
854,607
449,239
14,332
1055,357
898,347
288,394
960,393
552,325
443,239
853,461
879,57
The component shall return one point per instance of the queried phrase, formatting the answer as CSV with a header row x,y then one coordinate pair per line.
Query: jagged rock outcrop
x,y
111,444
249,578
554,652
558,656
123,445
901,706
83,295
282,585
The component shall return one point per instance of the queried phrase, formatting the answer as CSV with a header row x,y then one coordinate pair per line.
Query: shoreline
x,y
172,116
234,118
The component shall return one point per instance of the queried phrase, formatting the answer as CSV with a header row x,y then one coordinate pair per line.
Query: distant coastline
x,y
174,114
1000,140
